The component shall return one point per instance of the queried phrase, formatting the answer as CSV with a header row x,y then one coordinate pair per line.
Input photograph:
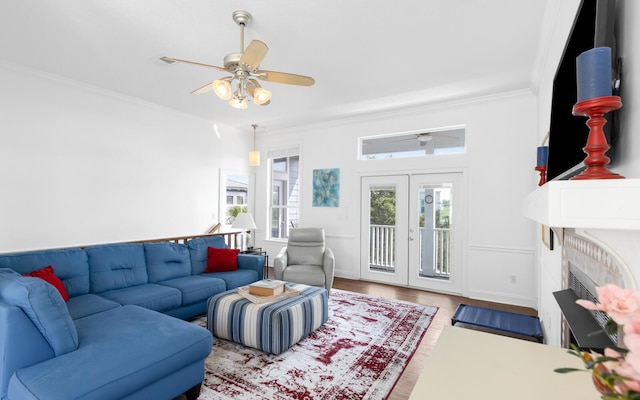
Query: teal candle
x,y
593,71
543,156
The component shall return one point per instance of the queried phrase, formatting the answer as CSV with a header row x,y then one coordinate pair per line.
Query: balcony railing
x,y
441,259
382,242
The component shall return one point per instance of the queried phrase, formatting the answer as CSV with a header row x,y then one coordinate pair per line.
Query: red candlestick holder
x,y
597,145
543,174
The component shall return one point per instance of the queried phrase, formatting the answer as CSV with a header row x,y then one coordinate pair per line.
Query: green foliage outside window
x,y
383,207
232,212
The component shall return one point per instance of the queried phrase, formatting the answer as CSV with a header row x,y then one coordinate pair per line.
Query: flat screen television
x,y
594,26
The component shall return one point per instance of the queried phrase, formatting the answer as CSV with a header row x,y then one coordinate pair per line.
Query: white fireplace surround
x,y
605,213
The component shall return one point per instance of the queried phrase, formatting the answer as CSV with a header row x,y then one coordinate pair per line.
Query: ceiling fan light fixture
x,y
240,104
261,96
222,88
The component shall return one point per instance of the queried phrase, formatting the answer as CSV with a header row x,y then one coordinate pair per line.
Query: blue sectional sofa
x,y
122,333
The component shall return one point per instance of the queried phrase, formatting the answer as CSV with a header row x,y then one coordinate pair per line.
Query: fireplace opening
x,y
585,328
586,265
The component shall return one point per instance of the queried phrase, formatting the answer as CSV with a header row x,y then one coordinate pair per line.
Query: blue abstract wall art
x,y
326,187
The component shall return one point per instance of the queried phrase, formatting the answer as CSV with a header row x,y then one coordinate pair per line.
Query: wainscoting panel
x,y
502,274
345,250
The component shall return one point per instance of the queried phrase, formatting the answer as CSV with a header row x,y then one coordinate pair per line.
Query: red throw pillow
x,y
46,274
221,260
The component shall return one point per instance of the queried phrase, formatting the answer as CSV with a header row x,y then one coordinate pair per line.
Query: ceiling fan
x,y
425,137
243,68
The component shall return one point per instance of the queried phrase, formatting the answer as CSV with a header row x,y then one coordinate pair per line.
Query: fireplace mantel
x,y
607,204
597,223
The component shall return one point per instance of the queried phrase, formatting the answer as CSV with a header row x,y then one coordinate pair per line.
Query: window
x,y
284,205
409,144
234,189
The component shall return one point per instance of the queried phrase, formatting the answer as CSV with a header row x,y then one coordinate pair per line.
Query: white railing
x,y
442,246
382,246
382,250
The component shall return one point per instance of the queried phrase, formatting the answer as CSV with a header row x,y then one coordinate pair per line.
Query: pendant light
x,y
254,155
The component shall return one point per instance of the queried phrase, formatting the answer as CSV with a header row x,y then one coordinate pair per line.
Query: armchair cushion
x,y
312,275
306,246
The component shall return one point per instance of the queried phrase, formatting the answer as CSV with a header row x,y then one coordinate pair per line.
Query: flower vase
x,y
600,386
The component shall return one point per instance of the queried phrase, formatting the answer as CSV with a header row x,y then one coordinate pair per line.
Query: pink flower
x,y
621,367
611,365
622,305
632,382
632,327
632,343
618,377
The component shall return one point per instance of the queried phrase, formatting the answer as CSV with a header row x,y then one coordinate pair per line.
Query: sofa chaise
x,y
121,331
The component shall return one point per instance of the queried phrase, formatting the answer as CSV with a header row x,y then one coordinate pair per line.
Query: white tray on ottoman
x,y
270,327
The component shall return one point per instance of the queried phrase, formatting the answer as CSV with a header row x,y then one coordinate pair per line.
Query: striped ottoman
x,y
270,327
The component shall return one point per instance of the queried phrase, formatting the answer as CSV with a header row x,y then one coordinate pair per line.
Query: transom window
x,y
411,144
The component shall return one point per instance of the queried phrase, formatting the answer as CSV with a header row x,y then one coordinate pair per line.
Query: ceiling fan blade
x,y
171,60
403,140
436,135
284,77
209,86
203,89
254,54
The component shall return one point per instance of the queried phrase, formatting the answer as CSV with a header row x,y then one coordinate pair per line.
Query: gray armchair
x,y
305,259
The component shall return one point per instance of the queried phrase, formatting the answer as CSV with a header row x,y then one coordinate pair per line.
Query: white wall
x,y
498,167
628,35
79,165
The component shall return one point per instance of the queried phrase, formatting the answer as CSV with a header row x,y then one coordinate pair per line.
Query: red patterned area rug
x,y
359,353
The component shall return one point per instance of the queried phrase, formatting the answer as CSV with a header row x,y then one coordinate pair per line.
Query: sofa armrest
x,y
21,344
252,261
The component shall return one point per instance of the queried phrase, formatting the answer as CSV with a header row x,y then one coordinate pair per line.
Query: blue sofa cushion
x,y
43,305
70,265
198,251
116,266
235,279
152,296
166,260
89,304
97,371
196,288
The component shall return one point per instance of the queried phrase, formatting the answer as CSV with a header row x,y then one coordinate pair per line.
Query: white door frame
x,y
457,229
401,184
407,271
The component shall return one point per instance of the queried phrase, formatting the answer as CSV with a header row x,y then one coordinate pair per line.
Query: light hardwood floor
x,y
446,308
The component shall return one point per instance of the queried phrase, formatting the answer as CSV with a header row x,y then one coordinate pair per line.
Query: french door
x,y
410,234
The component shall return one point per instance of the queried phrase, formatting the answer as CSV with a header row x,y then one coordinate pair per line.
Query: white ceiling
x,y
365,55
